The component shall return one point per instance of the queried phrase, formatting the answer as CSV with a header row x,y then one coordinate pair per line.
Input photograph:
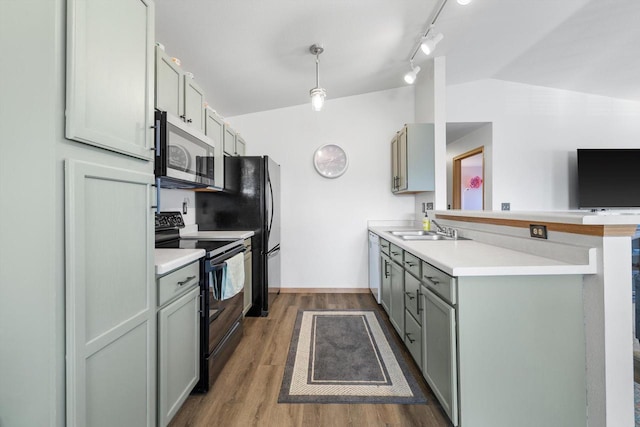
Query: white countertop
x,y
170,259
471,258
609,217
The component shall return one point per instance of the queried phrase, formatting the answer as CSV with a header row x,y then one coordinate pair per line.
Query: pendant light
x,y
317,93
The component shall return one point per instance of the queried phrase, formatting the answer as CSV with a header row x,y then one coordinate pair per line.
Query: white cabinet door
x,y
178,353
193,104
441,370
169,85
110,74
110,296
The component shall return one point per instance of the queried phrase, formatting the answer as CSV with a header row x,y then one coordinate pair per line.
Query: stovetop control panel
x,y
168,220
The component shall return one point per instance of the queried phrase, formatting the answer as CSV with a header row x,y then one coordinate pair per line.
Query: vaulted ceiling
x,y
253,55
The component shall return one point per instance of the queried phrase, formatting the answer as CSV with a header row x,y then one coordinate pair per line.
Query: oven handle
x,y
218,261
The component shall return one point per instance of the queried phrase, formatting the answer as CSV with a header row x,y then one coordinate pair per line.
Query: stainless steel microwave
x,y
185,157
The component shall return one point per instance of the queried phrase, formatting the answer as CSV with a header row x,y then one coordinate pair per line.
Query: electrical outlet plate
x,y
506,206
430,206
538,231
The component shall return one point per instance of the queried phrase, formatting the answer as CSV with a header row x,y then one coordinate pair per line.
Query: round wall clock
x,y
330,161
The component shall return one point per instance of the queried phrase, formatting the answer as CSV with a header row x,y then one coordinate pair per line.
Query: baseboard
x,y
324,290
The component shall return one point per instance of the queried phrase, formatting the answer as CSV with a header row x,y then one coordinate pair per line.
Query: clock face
x,y
330,161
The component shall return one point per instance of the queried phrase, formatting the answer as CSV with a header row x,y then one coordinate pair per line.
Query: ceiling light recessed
x,y
464,2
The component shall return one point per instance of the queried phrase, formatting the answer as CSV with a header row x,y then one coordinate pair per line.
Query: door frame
x,y
457,175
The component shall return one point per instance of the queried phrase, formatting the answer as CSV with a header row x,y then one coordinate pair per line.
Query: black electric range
x,y
220,319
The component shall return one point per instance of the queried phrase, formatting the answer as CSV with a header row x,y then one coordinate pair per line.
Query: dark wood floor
x,y
246,392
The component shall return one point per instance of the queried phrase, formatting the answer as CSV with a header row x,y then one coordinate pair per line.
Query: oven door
x,y
185,157
219,315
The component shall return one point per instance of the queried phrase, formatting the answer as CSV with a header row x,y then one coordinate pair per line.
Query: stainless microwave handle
x,y
157,132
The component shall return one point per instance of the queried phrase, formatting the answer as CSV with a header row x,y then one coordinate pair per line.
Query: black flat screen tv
x,y
608,178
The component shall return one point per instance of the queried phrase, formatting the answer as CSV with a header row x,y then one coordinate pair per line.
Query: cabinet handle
x,y
386,269
409,263
409,295
190,278
432,279
189,121
394,253
418,301
183,117
408,335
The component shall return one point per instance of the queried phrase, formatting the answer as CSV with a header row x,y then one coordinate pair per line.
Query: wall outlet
x,y
539,231
430,206
184,208
506,206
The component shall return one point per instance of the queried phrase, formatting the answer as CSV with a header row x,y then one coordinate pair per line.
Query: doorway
x,y
468,180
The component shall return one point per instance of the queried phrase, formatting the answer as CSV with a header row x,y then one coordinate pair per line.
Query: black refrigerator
x,y
250,201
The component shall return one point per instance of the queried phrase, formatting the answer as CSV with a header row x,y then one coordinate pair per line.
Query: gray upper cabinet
x,y
110,75
214,129
229,141
194,104
240,145
110,296
169,84
412,159
177,93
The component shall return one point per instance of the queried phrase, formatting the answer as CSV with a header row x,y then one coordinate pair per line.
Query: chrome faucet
x,y
439,228
447,231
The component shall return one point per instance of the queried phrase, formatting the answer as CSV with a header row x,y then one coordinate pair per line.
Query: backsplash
x,y
173,200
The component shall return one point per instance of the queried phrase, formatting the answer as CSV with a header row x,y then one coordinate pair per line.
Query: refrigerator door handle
x,y
272,204
273,251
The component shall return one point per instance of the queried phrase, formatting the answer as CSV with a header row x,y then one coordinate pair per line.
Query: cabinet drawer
x,y
412,264
395,252
174,284
439,282
413,338
411,294
384,246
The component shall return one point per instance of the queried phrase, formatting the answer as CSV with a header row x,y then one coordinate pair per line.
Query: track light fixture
x,y
317,93
410,77
428,41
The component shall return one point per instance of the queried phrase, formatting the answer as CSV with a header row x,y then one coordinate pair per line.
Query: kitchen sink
x,y
431,237
423,235
413,233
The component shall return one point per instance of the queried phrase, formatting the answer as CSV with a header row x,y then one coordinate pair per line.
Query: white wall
x,y
172,200
536,131
324,221
481,137
431,108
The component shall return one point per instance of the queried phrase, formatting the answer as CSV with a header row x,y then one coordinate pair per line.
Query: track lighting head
x,y
410,77
429,43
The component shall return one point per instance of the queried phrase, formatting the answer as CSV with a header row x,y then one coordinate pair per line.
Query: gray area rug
x,y
345,356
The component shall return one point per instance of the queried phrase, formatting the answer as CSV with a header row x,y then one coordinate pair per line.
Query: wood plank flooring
x,y
246,393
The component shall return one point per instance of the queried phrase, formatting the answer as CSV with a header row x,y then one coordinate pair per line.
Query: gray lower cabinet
x,y
413,337
385,282
178,350
110,296
397,297
439,362
248,281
